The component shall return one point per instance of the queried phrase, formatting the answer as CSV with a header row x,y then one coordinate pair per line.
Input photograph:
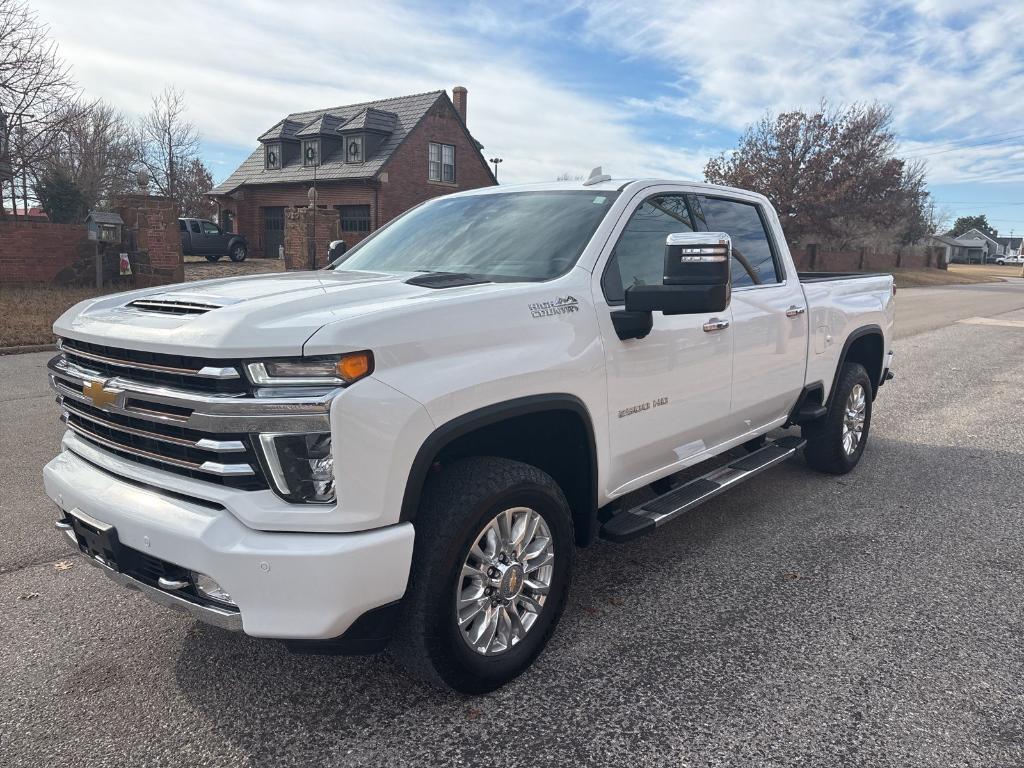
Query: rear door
x,y
195,233
769,315
668,393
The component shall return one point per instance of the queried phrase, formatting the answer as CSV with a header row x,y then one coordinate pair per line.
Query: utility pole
x,y
496,160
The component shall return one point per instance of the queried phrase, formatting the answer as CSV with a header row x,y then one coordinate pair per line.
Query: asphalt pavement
x,y
873,619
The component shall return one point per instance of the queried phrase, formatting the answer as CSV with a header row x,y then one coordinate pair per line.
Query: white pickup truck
x,y
403,450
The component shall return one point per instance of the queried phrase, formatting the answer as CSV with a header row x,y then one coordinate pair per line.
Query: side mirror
x,y
697,276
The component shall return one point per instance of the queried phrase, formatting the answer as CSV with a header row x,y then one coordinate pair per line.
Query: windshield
x,y
504,236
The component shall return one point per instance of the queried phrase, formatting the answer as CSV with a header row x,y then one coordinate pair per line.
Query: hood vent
x,y
166,305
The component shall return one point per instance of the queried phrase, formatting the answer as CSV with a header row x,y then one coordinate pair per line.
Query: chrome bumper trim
x,y
229,620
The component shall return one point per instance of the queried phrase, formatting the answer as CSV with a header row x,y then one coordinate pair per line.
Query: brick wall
x,y
299,233
153,239
40,252
814,258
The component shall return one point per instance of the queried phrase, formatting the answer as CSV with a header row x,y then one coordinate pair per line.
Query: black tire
x,y
457,504
824,450
238,252
213,257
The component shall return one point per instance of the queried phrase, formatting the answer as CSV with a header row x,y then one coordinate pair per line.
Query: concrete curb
x,y
27,348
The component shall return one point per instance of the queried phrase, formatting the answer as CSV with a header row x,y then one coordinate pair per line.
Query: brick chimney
x,y
460,95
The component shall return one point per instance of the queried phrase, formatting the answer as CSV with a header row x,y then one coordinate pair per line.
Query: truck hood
x,y
268,315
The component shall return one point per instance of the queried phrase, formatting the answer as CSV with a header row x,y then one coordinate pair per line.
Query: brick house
x,y
370,161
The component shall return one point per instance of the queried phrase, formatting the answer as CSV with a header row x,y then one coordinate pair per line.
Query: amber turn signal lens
x,y
355,366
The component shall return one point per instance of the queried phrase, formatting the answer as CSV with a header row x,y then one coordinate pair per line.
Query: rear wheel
x,y
213,257
836,442
238,252
490,574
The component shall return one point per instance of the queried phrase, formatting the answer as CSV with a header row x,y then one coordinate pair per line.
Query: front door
x,y
668,393
769,316
273,231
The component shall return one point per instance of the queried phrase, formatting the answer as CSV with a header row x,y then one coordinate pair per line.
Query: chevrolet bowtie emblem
x,y
101,396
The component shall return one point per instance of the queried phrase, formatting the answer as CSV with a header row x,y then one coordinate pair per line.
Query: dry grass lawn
x,y
957,274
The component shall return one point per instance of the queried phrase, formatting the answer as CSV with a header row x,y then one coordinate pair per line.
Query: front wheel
x,y
238,252
836,442
490,574
213,257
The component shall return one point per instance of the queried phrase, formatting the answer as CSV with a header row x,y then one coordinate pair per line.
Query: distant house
x,y
1011,245
370,161
972,247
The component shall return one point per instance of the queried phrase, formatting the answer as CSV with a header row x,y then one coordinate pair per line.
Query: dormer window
x,y
354,149
311,152
272,157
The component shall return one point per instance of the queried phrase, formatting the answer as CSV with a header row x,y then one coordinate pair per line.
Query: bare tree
x,y
194,181
35,83
832,174
169,142
96,150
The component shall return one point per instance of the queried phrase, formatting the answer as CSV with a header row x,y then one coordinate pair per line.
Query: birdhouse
x,y
104,227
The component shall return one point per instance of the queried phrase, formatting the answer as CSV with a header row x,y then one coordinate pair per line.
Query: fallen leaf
x,y
790,576
63,565
28,595
591,611
473,714
616,601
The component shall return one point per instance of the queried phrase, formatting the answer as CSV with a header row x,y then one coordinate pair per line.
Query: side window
x,y
210,229
194,226
753,262
639,255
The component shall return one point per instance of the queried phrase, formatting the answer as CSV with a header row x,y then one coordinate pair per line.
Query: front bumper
x,y
309,586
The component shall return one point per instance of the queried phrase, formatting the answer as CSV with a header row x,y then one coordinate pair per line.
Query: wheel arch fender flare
x,y
862,332
491,415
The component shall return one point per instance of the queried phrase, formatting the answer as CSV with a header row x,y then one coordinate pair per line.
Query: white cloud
x,y
244,69
950,69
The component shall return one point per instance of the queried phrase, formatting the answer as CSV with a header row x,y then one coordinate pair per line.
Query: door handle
x,y
794,310
714,324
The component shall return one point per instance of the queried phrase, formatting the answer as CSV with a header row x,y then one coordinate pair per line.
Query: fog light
x,y
209,588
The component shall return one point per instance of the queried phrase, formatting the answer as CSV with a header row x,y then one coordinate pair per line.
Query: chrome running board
x,y
654,513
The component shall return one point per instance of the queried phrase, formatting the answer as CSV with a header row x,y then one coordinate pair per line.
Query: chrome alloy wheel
x,y
853,419
505,580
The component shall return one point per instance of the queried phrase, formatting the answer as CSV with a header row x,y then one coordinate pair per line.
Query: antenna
x,y
596,177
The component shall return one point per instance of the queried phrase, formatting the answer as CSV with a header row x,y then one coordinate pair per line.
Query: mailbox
x,y
104,227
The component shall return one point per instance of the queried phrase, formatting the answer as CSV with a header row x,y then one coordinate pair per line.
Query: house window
x,y
441,162
311,152
355,218
272,157
354,149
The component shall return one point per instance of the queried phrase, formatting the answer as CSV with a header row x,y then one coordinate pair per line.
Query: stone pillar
x,y
152,239
299,236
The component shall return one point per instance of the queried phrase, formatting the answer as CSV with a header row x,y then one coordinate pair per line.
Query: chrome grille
x,y
190,416
220,458
192,373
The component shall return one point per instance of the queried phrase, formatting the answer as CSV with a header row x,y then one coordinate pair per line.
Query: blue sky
x,y
640,89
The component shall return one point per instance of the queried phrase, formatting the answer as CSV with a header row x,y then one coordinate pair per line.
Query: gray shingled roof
x,y
372,120
325,125
282,129
406,110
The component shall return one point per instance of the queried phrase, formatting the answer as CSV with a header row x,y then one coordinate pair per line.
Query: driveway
x,y
873,619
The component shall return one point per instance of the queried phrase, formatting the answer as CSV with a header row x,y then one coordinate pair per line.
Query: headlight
x,y
337,369
301,466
